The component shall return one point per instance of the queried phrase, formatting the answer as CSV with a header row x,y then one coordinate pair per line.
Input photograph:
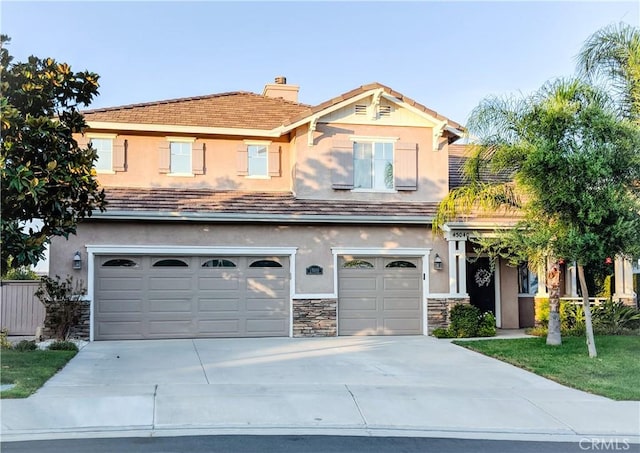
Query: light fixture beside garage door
x,y
437,262
77,261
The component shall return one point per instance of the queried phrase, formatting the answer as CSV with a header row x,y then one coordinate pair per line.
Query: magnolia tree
x,y
45,174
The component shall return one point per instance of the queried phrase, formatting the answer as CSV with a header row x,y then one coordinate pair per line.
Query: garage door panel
x,y
219,326
401,283
119,306
170,306
362,326
398,303
401,324
191,301
227,282
265,326
170,327
358,303
120,283
170,283
218,305
359,283
125,329
266,305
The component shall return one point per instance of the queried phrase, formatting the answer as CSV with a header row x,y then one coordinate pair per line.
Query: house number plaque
x,y
314,270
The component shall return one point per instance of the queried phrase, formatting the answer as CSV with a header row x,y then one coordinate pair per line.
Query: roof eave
x,y
171,216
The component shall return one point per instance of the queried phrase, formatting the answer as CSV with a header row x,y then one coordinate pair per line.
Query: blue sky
x,y
446,55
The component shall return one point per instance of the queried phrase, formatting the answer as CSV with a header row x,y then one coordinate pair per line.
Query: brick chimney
x,y
280,89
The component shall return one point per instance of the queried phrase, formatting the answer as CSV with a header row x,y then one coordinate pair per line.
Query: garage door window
x,y
358,264
170,263
265,263
120,263
218,263
401,264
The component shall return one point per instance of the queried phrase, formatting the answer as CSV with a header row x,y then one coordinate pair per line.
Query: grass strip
x,y
613,374
29,370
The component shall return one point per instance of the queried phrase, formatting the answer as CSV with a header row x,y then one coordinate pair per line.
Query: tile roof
x,y
212,202
458,156
238,109
234,110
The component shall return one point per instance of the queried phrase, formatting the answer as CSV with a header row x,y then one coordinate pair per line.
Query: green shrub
x,y
21,273
25,345
464,320
615,318
487,325
441,332
572,322
63,346
63,303
538,331
4,341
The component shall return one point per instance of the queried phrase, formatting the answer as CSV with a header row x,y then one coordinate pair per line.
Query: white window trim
x,y
368,139
112,137
181,140
267,144
167,250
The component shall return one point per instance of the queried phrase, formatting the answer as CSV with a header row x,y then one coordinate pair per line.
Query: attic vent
x,y
361,109
384,110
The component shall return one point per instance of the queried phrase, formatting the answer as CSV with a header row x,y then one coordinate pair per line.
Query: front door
x,y
481,285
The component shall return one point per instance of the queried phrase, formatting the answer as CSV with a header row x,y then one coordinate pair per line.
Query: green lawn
x,y
615,373
29,370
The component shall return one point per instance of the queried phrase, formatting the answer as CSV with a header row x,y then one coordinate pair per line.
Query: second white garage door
x,y
139,297
379,296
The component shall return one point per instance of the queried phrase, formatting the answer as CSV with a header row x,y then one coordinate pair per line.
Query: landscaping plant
x,y
63,302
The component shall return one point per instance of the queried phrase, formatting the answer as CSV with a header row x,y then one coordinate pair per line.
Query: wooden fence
x,y
21,312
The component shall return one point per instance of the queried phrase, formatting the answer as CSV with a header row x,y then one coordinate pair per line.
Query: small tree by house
x,y
63,301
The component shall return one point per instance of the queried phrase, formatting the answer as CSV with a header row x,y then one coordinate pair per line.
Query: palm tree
x,y
566,160
612,56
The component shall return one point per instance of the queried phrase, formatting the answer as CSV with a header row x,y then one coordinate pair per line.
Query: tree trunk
x,y
554,337
591,343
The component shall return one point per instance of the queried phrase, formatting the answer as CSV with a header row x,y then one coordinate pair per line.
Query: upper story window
x,y
180,157
373,165
104,148
258,156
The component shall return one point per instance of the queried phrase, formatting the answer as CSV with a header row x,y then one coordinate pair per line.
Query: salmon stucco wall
x,y
220,161
314,164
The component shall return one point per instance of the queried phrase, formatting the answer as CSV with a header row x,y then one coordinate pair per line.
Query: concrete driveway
x,y
348,385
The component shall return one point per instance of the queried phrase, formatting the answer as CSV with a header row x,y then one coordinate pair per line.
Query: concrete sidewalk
x,y
407,386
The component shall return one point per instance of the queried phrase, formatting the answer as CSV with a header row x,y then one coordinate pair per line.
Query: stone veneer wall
x,y
314,318
438,311
80,331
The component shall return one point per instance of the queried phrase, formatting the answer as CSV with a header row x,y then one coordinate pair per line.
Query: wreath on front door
x,y
483,277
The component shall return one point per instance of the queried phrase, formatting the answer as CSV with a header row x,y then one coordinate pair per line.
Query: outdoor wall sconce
x,y
77,261
437,262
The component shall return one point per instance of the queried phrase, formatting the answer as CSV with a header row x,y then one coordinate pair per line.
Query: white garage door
x,y
140,297
379,296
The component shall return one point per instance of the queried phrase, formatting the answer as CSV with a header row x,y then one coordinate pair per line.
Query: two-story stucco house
x,y
242,215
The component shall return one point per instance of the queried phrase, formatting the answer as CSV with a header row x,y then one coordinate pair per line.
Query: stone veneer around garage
x,y
315,318
438,311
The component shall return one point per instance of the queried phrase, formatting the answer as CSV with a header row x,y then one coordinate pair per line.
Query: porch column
x,y
623,271
571,281
457,263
